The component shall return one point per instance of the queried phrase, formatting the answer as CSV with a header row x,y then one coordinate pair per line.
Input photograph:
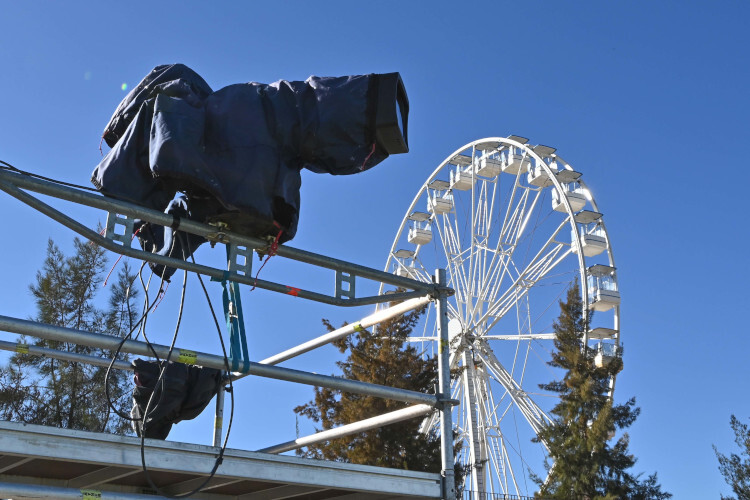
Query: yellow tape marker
x,y
441,345
187,357
218,422
22,348
358,327
91,494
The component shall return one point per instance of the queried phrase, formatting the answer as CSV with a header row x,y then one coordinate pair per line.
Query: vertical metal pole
x,y
444,382
219,416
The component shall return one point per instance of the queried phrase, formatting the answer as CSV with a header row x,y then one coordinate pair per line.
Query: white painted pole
x,y
344,331
353,428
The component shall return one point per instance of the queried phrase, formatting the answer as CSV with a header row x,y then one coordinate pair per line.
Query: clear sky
x,y
648,99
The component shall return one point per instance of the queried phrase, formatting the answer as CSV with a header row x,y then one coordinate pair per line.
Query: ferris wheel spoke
x,y
512,473
488,215
528,277
532,274
515,392
522,336
533,265
451,246
511,301
491,407
507,218
496,456
533,413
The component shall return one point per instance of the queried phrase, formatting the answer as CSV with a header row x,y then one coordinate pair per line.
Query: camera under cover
x,y
234,155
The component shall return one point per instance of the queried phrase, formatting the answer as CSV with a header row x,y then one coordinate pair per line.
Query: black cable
x,y
4,165
112,362
160,385
163,366
220,457
141,322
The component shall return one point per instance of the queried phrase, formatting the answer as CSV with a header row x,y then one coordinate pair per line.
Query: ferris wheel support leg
x,y
475,441
444,389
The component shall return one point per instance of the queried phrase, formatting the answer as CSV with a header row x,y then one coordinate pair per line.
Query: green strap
x,y
235,322
239,341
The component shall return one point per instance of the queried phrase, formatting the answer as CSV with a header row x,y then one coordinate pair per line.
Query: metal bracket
x,y
240,259
448,402
114,220
344,285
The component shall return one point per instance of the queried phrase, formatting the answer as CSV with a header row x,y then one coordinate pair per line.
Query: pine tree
x,y
736,468
585,464
379,358
61,393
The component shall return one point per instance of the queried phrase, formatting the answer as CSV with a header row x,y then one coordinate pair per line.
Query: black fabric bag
x,y
183,393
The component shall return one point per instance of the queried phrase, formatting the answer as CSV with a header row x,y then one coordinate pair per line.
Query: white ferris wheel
x,y
514,226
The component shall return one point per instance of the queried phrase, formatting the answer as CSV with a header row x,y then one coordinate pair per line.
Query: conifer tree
x,y
378,358
585,465
736,468
61,393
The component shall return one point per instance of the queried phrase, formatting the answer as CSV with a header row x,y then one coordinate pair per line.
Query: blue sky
x,y
648,99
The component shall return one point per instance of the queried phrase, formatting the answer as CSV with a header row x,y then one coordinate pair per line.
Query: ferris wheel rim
x,y
556,185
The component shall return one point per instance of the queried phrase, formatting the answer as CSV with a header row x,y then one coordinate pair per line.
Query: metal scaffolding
x,y
48,462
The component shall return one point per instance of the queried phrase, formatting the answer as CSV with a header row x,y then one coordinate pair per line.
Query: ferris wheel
x,y
515,227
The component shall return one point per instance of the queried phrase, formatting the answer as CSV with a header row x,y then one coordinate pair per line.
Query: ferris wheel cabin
x,y
514,162
572,190
404,266
606,352
439,199
420,232
591,232
602,286
487,166
574,193
462,178
537,174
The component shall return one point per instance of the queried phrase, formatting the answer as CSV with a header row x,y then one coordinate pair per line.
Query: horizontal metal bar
x,y
205,230
101,341
344,331
353,428
18,490
63,355
189,266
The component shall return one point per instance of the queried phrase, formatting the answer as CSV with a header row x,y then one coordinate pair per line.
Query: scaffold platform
x,y
44,462
49,462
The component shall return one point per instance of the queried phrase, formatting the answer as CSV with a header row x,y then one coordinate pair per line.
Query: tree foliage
x,y
736,468
69,394
585,419
379,358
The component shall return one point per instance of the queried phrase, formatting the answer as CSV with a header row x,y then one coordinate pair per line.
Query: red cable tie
x,y
368,157
271,252
160,297
292,291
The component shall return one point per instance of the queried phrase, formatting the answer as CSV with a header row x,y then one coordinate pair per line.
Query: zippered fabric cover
x,y
235,153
